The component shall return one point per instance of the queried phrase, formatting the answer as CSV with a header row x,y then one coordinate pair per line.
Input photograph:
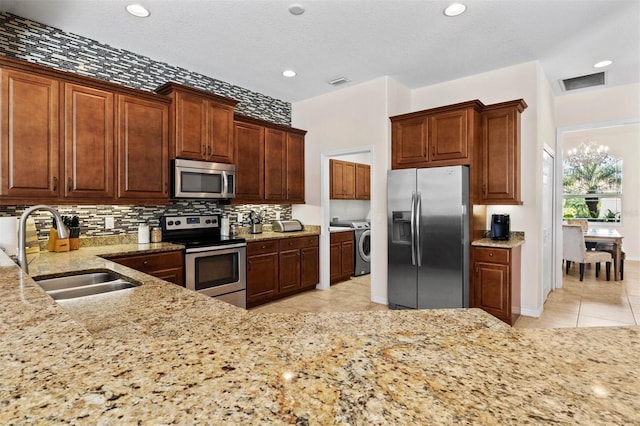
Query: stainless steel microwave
x,y
203,179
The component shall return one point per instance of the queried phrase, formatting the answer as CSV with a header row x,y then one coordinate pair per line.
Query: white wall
x,y
353,118
598,106
515,82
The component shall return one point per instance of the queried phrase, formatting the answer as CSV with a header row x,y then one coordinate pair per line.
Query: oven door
x,y
217,271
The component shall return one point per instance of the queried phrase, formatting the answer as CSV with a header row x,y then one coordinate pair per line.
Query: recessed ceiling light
x,y
138,10
296,9
603,64
455,9
289,73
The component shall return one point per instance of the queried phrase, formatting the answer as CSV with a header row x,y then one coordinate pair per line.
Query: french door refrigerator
x,y
428,237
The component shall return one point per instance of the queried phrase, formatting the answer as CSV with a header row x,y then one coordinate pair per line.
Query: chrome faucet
x,y
63,232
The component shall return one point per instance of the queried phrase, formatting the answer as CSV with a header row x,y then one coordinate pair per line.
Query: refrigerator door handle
x,y
413,228
418,239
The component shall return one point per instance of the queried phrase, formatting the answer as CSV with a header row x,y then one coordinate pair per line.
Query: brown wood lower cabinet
x,y
496,282
342,256
278,268
168,266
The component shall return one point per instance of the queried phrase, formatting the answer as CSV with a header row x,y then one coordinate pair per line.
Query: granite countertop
x,y
160,354
515,239
267,234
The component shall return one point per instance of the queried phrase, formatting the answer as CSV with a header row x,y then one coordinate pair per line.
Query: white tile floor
x,y
591,303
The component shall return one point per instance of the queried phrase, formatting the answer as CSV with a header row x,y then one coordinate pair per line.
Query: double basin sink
x,y
83,284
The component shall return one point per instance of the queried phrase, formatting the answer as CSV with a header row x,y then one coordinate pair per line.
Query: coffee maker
x,y
500,226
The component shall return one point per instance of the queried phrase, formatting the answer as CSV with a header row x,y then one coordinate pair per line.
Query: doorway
x,y
342,209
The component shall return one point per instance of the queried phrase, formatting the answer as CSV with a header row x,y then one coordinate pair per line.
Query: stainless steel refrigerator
x,y
428,234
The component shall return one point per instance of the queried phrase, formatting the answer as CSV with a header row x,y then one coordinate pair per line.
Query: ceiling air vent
x,y
583,81
338,81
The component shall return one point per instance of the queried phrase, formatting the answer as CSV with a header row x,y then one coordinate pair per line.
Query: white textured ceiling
x,y
250,42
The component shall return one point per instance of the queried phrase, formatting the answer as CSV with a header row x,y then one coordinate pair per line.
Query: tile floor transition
x,y
591,303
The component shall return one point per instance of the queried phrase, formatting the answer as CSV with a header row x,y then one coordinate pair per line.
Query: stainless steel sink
x,y
84,284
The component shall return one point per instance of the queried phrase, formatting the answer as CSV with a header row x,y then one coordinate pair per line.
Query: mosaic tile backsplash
x,y
31,41
127,218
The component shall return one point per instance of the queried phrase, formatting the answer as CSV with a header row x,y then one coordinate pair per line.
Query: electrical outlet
x,y
277,215
240,218
109,222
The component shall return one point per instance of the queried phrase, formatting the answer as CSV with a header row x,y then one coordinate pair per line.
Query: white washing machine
x,y
362,244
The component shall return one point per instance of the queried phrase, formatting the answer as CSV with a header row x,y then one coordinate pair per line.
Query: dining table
x,y
607,236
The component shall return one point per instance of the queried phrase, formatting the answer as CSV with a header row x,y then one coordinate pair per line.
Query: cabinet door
x,y
289,270
491,289
309,266
143,149
342,180
363,182
295,168
262,277
219,132
88,143
29,138
249,158
501,156
172,275
190,126
409,140
274,165
449,135
335,255
348,259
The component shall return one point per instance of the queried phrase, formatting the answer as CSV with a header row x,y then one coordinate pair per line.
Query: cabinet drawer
x,y
298,243
259,247
339,237
492,255
151,262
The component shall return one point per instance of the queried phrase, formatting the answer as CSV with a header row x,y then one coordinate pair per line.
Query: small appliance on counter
x,y
500,227
287,225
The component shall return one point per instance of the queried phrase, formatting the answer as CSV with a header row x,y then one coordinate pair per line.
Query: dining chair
x,y
611,249
574,250
584,224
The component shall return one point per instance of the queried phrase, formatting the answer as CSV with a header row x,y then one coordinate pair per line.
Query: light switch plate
x,y
109,222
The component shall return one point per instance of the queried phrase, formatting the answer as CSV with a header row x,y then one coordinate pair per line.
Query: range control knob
x,y
207,221
170,223
177,222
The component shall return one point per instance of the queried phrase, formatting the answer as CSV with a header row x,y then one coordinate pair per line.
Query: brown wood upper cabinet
x,y
30,140
66,137
201,124
143,149
500,153
88,142
269,162
349,181
441,136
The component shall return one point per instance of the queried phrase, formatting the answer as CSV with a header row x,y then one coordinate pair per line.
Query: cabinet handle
x,y
490,254
484,189
69,184
145,263
209,150
55,183
204,150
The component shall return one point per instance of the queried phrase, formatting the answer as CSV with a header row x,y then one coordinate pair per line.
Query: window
x,y
592,184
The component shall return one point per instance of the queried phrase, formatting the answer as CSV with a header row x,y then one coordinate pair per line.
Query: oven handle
x,y
215,248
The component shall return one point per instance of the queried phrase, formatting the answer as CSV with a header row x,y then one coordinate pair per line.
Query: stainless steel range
x,y
215,265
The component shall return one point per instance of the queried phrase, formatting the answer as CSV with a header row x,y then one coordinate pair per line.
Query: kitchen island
x,y
160,354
